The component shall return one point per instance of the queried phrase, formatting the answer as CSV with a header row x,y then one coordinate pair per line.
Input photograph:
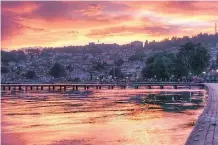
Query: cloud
x,y
10,25
19,7
178,8
130,30
51,21
73,32
92,10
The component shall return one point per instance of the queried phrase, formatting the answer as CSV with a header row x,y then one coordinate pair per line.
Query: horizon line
x,y
97,42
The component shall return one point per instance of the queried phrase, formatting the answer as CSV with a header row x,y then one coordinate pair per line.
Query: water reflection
x,y
110,117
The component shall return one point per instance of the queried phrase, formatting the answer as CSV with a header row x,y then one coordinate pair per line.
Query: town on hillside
x,y
136,61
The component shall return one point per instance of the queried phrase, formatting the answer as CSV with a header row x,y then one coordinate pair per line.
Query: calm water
x,y
101,117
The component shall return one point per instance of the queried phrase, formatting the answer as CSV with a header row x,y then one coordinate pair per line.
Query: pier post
x,y
97,87
149,87
161,87
49,88
175,86
3,87
53,88
41,87
9,88
76,88
84,87
31,87
26,88
65,88
60,88
73,88
20,88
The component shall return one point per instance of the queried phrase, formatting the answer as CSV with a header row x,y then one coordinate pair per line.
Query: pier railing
x,y
76,86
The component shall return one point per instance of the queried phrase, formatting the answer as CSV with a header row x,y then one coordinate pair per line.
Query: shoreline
x,y
206,129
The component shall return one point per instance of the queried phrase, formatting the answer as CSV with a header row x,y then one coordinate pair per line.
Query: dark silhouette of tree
x,y
160,66
99,66
116,72
119,62
194,57
217,60
57,70
6,57
138,56
31,74
4,69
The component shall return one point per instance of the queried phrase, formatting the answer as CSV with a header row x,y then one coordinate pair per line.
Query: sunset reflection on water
x,y
103,117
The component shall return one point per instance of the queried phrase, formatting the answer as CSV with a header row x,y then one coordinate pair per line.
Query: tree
x,y
99,66
194,58
57,70
30,74
119,62
138,56
7,57
160,65
116,72
217,59
4,69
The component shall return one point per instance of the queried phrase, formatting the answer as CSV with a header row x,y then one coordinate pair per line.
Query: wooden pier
x,y
76,87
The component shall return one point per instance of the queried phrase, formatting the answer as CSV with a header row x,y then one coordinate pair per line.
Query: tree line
x,y
191,59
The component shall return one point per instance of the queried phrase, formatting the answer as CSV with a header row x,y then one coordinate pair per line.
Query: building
x,y
137,44
91,43
103,45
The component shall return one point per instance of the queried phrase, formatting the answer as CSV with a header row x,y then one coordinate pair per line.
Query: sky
x,y
63,23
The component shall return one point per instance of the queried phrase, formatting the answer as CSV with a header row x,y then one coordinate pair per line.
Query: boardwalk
x,y
205,131
136,85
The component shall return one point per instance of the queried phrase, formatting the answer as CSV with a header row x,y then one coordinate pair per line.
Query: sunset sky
x,y
29,24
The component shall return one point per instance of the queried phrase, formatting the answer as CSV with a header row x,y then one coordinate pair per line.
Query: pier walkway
x,y
205,131
136,85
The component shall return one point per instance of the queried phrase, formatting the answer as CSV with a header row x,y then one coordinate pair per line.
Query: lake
x,y
100,117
